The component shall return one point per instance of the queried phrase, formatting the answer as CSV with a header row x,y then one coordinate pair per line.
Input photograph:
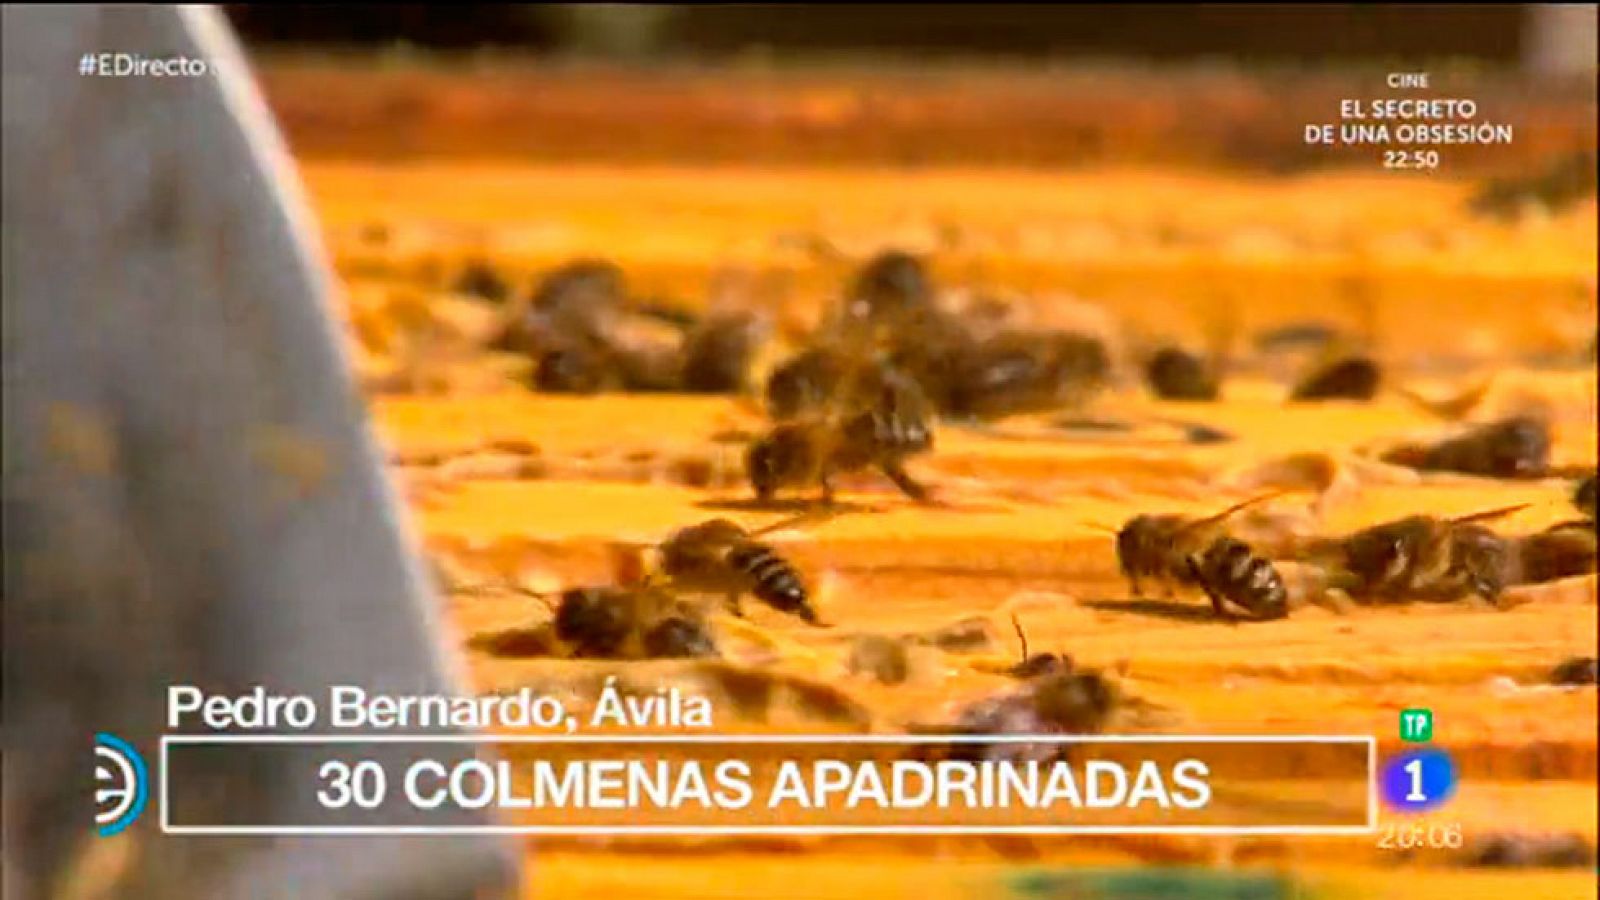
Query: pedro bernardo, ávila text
x,y
353,707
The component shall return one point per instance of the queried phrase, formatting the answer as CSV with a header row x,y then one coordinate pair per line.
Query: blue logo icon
x,y
1418,780
122,784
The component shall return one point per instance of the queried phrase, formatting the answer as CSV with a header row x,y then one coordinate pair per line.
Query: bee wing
x,y
1488,514
1218,517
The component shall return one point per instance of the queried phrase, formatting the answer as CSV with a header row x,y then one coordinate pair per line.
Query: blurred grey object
x,y
191,494
1560,39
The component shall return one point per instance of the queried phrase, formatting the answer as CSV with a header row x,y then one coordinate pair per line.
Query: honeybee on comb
x,y
1176,374
1159,546
1514,447
1231,573
887,288
829,376
810,451
1346,368
1423,557
1341,377
720,557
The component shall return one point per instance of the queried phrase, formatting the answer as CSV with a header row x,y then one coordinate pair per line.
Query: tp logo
x,y
123,784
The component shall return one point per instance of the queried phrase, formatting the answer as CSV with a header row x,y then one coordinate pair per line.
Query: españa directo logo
x,y
122,784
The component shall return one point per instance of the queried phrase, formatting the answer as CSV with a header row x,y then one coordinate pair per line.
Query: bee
x,y
1515,447
824,377
1575,671
1071,702
720,557
1583,496
1230,572
1424,557
1341,378
1161,546
716,354
573,303
1017,372
1176,374
678,637
810,451
624,622
574,367
933,347
886,288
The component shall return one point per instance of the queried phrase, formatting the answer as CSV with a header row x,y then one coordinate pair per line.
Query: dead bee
x,y
479,279
1343,378
575,367
1034,666
620,622
573,303
1230,572
597,621
678,637
1017,372
716,354
1176,374
810,451
1423,557
1516,447
1161,546
720,557
1073,702
1583,496
1560,551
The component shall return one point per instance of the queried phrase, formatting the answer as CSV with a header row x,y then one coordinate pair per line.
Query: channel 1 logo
x,y
1422,778
123,784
